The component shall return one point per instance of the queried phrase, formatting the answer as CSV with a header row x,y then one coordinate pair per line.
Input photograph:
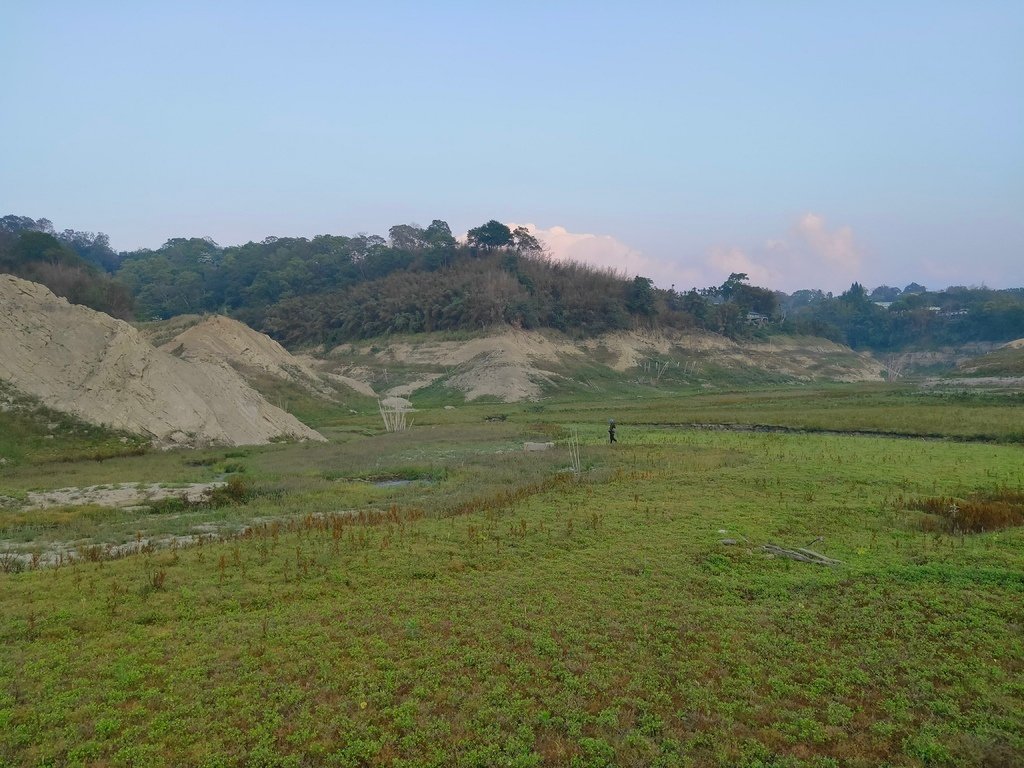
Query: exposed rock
x,y
85,362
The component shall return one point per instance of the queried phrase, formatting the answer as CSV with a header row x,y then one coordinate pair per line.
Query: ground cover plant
x,y
32,433
1006,361
895,409
494,609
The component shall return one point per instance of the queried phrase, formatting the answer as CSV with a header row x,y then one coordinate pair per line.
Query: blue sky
x,y
806,143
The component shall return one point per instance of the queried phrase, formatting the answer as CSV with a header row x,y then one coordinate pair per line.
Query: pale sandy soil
x,y
118,495
104,371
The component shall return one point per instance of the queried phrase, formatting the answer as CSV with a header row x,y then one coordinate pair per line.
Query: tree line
x,y
888,319
329,288
72,264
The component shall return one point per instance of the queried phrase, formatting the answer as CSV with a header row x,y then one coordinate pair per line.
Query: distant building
x,y
756,318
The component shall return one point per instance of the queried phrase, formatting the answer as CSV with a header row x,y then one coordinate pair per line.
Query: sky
x,y
807,144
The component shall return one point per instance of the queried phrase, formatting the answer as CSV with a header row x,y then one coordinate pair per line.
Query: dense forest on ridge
x,y
72,264
332,287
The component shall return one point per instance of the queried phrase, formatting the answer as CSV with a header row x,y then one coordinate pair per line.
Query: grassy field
x,y
438,597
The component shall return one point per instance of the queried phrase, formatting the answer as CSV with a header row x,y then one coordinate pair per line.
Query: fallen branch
x,y
801,554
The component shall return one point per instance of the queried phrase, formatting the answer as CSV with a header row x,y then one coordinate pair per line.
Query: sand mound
x,y
101,369
221,339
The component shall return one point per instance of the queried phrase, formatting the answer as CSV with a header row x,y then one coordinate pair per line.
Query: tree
x,y
35,246
489,236
857,295
524,242
885,293
40,257
729,319
736,279
408,237
640,297
805,297
439,235
441,246
697,306
17,224
752,298
93,247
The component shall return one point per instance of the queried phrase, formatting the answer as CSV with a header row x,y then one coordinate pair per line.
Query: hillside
x,y
1008,360
102,370
512,365
331,288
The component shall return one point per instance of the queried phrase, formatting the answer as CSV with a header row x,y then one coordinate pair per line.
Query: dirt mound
x,y
159,332
221,339
101,369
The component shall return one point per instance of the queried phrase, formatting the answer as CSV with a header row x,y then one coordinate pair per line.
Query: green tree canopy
x,y
489,236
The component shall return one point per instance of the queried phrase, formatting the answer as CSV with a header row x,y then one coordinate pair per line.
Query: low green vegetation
x,y
1006,361
439,597
864,408
31,433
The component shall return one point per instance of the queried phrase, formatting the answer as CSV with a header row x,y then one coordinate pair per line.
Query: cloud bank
x,y
809,255
608,252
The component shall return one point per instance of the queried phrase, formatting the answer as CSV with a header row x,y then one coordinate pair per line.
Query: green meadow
x,y
438,597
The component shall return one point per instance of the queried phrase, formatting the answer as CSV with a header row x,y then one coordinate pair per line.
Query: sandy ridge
x,y
87,363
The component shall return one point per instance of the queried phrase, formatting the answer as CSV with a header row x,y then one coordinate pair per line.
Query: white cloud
x,y
836,248
597,250
810,255
605,251
729,260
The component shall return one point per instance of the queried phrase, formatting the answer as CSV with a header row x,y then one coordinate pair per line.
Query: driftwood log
x,y
801,554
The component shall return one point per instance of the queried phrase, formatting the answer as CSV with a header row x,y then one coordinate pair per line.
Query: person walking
x,y
611,431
